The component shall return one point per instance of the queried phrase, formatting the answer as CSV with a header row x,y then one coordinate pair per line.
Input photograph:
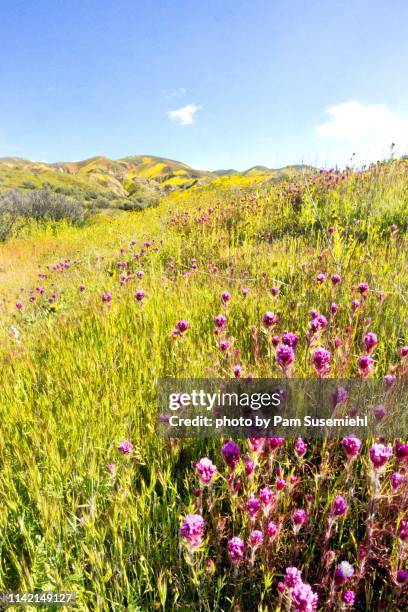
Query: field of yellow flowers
x,y
303,278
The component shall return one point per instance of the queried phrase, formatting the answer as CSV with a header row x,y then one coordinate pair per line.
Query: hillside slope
x,y
101,177
214,285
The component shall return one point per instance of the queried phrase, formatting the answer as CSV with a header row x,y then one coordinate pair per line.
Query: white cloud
x,y
368,129
352,120
184,115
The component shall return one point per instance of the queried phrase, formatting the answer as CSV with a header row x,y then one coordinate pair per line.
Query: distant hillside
x,y
100,178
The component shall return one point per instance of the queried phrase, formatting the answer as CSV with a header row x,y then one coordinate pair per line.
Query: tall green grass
x,y
78,376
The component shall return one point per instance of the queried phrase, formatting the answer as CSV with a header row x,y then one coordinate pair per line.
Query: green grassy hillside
x,y
92,498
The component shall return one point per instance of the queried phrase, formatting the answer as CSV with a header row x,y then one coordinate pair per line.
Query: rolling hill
x,y
103,178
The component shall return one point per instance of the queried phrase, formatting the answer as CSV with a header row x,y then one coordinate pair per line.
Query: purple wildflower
x,y
225,297
292,577
237,369
220,321
249,465
205,469
255,538
280,483
125,447
379,454
339,506
321,361
300,447
343,572
348,597
339,396
267,496
139,295
397,480
304,599
351,445
236,550
271,529
365,365
253,506
401,450
269,319
275,443
402,577
355,304
290,339
182,326
370,341
231,453
334,308
403,531
192,529
380,412
299,519
389,380
285,356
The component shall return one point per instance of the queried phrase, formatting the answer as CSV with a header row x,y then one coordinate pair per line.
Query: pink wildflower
x,y
348,597
304,599
271,529
231,453
236,550
365,365
256,538
300,447
285,356
269,319
220,321
351,445
205,470
192,530
139,295
397,480
370,341
253,506
125,447
225,297
299,518
182,326
292,577
321,361
343,572
339,506
379,454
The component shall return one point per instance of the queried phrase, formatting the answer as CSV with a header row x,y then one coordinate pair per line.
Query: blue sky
x,y
213,83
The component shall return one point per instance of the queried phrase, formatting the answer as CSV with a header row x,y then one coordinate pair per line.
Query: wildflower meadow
x,y
304,277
